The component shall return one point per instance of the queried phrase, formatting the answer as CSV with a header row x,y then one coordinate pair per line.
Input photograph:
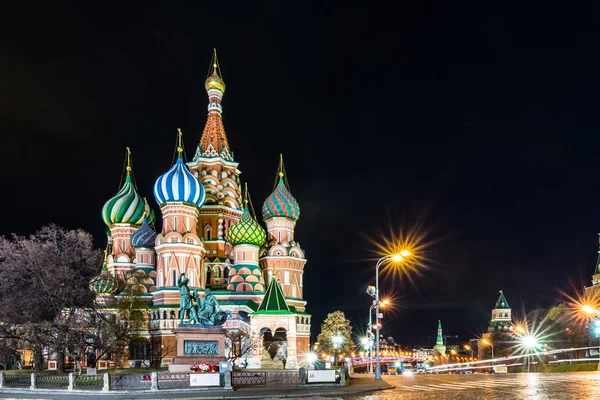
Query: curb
x,y
194,393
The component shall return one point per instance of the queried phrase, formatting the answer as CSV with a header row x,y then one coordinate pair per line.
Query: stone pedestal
x,y
196,345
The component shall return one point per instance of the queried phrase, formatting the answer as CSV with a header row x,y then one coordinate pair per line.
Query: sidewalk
x,y
358,384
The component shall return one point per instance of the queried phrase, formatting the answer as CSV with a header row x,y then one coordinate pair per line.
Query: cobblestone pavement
x,y
534,386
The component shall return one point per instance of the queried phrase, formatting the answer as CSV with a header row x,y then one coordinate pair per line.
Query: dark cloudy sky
x,y
477,122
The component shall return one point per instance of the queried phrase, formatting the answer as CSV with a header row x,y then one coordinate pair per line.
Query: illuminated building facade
x,y
209,232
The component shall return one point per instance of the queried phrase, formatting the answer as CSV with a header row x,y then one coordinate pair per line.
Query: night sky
x,y
476,127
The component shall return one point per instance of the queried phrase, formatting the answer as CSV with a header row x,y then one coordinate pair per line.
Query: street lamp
x,y
529,342
489,343
468,347
397,258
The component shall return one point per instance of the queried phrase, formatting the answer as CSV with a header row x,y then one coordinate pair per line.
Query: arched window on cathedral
x,y
207,232
226,272
208,275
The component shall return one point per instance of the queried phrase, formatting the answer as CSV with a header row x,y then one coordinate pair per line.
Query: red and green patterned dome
x,y
246,231
281,203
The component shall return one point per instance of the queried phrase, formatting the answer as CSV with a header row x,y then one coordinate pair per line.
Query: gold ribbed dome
x,y
214,82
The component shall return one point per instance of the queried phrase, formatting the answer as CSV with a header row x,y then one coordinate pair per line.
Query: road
x,y
538,386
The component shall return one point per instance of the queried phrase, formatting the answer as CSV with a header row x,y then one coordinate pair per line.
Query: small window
x,y
174,224
189,241
123,246
174,277
286,277
294,291
243,256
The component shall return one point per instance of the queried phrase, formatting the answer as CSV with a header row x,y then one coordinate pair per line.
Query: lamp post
x,y
487,342
395,258
370,335
586,308
337,342
468,347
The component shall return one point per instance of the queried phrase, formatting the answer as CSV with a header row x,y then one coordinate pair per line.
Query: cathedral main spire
x,y
213,142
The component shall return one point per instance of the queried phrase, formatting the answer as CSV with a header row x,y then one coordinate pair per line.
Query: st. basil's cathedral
x,y
209,232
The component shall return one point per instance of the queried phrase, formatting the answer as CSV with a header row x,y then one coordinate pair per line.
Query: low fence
x,y
153,381
104,382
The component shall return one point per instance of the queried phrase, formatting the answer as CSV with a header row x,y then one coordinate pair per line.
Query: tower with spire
x,y
123,214
214,165
501,315
282,257
246,236
179,249
439,348
594,290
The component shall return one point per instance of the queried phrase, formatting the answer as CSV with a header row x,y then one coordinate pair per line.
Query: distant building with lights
x,y
210,233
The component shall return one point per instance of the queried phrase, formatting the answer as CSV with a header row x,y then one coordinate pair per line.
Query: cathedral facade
x,y
208,231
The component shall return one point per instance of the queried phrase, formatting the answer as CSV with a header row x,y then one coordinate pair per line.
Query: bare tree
x,y
40,276
239,344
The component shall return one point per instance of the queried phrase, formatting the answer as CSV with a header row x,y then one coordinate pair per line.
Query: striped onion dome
x,y
246,231
144,236
126,207
179,185
281,203
106,285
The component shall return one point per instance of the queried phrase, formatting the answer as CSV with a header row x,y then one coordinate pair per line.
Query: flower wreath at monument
x,y
204,368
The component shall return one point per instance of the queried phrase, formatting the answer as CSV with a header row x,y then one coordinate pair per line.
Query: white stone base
x,y
177,368
291,363
253,363
206,379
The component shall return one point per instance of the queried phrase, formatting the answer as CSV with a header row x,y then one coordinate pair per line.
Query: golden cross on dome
x,y
128,167
179,143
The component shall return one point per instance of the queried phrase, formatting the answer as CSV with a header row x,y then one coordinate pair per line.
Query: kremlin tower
x,y
439,348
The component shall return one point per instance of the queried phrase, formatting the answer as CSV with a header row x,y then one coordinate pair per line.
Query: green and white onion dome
x,y
126,207
281,203
246,231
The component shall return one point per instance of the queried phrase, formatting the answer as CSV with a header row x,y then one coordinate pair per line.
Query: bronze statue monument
x,y
206,312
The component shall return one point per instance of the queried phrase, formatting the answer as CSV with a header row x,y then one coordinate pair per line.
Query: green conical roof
x,y
274,300
502,303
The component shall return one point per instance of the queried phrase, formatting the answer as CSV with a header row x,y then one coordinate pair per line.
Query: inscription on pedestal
x,y
193,347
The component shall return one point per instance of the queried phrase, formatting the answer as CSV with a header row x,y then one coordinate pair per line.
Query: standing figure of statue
x,y
185,300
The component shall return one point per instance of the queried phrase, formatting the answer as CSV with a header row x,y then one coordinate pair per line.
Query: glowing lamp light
x,y
397,258
311,357
405,253
530,341
587,309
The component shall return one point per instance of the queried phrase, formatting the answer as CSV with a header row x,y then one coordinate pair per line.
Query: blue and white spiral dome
x,y
179,185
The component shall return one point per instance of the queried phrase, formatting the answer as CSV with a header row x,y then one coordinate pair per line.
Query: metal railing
x,y
92,382
52,381
173,381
